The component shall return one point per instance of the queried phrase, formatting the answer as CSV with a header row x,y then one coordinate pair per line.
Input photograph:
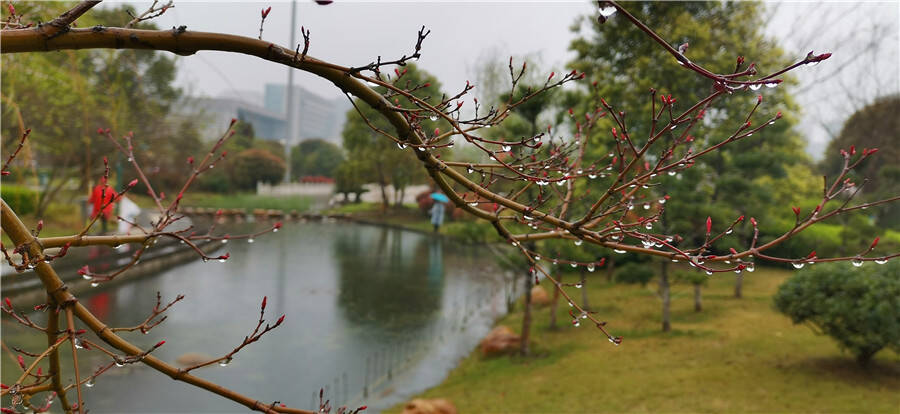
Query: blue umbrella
x,y
440,197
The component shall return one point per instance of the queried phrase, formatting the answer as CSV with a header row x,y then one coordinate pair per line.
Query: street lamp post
x,y
289,114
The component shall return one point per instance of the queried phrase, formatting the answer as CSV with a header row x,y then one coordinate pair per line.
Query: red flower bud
x,y
4,386
40,225
280,320
190,160
159,344
12,10
811,254
759,99
740,219
427,84
874,243
263,306
133,182
84,270
218,212
571,111
796,210
615,134
100,131
437,131
21,361
362,408
8,302
853,150
224,256
740,60
80,331
731,249
277,225
778,115
872,151
551,75
753,221
708,224
265,12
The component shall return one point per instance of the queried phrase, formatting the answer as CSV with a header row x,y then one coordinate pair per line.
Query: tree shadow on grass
x,y
883,372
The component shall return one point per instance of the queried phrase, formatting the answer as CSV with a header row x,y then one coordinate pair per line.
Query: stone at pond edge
x,y
500,340
433,406
539,296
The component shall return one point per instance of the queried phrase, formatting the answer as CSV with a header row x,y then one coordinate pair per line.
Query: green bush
x,y
857,306
254,165
22,200
634,273
470,231
694,277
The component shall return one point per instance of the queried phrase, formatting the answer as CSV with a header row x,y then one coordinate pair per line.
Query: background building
x,y
317,117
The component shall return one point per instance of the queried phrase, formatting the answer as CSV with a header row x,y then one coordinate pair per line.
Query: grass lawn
x,y
736,356
247,201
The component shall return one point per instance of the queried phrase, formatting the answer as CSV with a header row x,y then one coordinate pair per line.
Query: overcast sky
x,y
864,36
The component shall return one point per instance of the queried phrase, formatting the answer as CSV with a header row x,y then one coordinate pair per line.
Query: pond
x,y
374,315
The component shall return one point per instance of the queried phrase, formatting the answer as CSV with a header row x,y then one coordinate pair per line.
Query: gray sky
x,y
864,36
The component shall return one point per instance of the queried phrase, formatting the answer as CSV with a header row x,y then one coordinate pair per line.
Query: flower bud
x,y
265,12
133,182
84,270
8,302
551,75
159,344
280,320
796,210
874,243
708,224
263,306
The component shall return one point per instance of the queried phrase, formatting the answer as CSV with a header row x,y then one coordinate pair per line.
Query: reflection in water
x,y
389,283
373,316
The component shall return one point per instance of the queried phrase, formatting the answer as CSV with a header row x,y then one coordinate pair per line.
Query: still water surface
x,y
374,315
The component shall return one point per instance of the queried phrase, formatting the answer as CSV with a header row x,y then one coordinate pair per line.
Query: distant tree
x,y
349,179
315,157
255,165
857,306
378,156
877,125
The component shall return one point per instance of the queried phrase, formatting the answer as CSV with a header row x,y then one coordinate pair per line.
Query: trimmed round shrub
x,y
857,306
255,165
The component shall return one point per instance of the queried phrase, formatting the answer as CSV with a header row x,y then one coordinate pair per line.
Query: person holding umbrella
x,y
437,210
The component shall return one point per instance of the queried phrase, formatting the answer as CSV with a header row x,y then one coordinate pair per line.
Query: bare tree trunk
x,y
382,182
553,304
739,286
584,295
610,268
698,302
664,293
526,318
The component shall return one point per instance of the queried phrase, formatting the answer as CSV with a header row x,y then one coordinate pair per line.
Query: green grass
x,y
737,356
248,201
